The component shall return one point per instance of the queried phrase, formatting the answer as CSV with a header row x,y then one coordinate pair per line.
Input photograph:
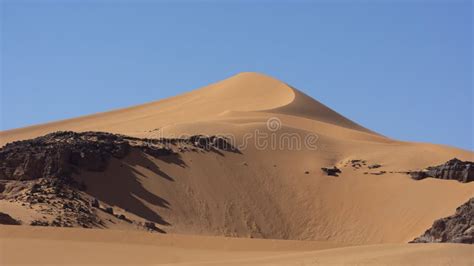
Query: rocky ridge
x,y
59,154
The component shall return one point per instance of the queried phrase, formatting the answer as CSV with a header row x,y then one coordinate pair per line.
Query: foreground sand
x,y
77,246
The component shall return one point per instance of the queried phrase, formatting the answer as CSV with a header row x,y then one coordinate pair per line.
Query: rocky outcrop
x,y
55,197
61,153
38,173
457,228
454,169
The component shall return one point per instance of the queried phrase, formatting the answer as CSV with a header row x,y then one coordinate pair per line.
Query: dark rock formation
x,y
332,171
95,203
374,166
358,163
457,228
150,226
59,154
7,219
454,169
39,223
212,142
109,210
56,197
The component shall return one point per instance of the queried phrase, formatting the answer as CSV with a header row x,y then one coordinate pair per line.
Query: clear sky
x,y
401,68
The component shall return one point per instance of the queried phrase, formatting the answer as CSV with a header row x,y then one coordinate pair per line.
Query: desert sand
x,y
95,246
229,208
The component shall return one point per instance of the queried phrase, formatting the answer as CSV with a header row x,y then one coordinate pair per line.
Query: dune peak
x,y
254,75
250,80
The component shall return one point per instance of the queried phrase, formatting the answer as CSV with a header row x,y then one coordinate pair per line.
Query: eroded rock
x,y
59,154
454,169
457,228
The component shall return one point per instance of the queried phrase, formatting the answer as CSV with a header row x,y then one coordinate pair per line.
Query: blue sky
x,y
401,68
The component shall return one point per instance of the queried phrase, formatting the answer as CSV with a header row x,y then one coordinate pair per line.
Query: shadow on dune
x,y
121,185
170,159
141,159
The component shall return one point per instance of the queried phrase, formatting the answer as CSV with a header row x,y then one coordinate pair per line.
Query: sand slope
x,y
267,192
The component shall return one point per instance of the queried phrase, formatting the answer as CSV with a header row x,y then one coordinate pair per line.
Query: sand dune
x,y
244,92
260,192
